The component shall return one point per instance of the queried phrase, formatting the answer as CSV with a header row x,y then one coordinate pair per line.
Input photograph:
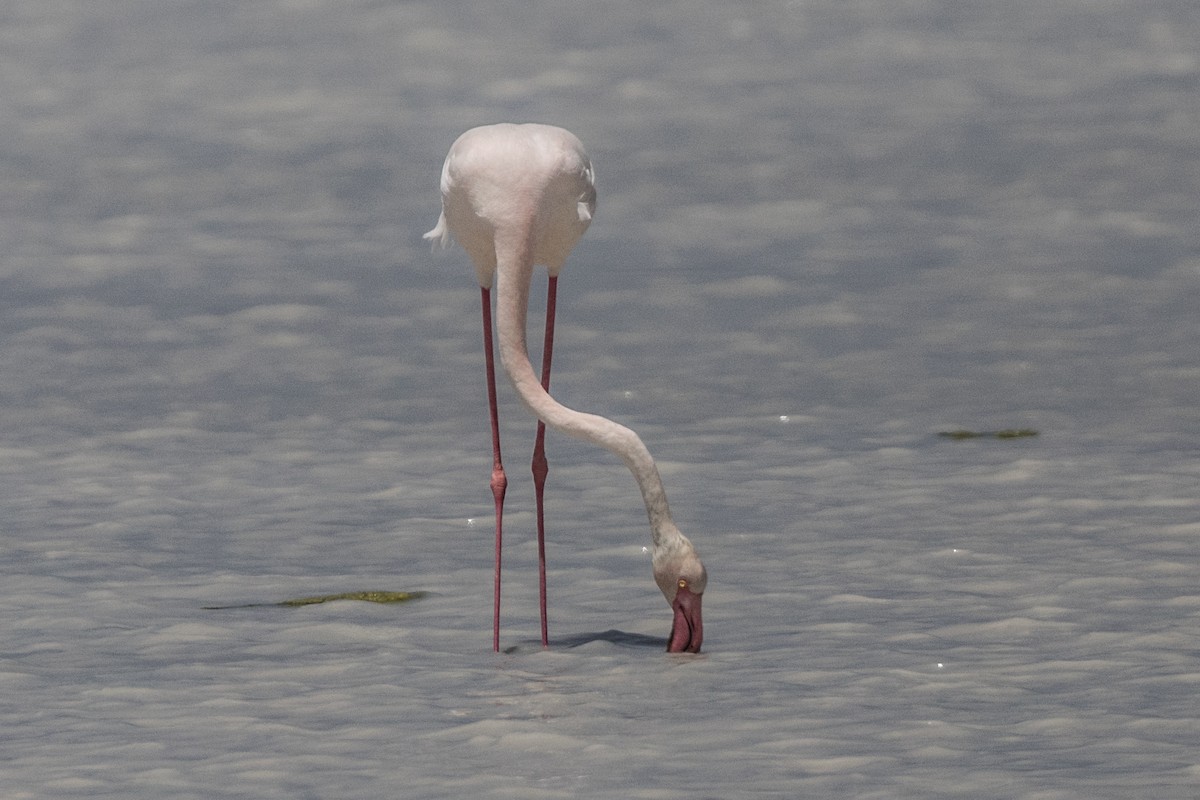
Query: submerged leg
x,y
499,481
540,466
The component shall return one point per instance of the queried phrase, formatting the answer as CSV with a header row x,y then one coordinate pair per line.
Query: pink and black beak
x,y
687,631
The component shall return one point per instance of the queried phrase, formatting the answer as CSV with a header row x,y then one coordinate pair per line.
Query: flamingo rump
x,y
516,196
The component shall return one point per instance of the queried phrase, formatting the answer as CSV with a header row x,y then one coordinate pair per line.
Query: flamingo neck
x,y
514,276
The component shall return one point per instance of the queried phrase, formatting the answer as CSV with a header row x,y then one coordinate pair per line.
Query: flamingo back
x,y
529,187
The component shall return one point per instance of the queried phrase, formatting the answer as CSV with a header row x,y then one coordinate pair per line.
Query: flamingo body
x,y
512,187
516,196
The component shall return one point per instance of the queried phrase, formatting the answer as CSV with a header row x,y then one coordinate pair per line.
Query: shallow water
x,y
234,374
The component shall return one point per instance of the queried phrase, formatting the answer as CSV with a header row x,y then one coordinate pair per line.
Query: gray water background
x,y
231,372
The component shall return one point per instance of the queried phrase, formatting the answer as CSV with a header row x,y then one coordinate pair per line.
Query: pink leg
x,y
540,466
499,481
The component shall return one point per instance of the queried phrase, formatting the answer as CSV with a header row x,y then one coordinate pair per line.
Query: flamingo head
x,y
682,580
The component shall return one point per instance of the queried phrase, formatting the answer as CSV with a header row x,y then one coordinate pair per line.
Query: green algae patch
x,y
1007,433
368,597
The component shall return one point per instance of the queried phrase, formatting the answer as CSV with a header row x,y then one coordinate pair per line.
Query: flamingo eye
x,y
683,583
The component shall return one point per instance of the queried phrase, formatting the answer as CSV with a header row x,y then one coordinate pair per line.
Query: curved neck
x,y
514,275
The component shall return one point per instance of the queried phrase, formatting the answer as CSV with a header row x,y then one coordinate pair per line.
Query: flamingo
x,y
516,196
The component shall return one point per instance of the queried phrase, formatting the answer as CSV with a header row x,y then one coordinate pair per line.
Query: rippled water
x,y
234,374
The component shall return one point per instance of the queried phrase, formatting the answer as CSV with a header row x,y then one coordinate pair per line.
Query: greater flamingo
x,y
515,196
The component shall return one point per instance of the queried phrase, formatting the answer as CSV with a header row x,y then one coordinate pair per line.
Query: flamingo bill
x,y
687,630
